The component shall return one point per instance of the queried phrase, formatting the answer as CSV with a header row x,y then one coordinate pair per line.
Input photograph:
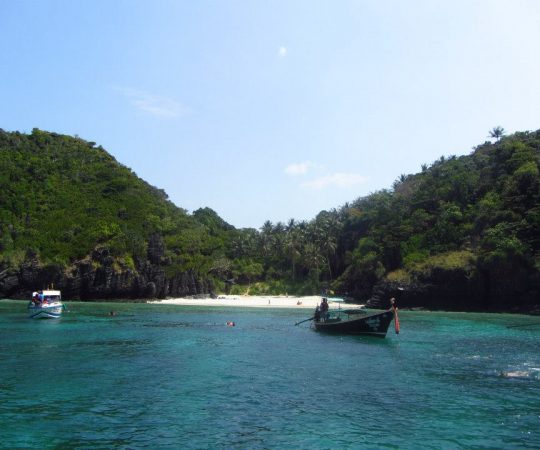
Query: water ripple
x,y
180,378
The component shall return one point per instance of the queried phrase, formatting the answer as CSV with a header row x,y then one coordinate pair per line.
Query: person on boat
x,y
324,309
317,315
394,309
35,298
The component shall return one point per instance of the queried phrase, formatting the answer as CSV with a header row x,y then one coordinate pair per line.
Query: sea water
x,y
157,376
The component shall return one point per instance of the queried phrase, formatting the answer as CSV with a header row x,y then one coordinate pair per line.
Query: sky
x,y
271,110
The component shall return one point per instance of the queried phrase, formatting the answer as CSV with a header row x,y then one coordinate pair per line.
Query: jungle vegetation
x,y
62,197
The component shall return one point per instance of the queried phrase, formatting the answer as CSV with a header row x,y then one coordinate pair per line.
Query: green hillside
x,y
63,198
461,234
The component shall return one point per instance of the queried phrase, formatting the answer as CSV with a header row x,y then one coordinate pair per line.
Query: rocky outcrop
x,y
100,277
458,290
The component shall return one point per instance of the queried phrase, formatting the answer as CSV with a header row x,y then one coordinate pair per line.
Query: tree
x,y
293,244
267,239
497,132
363,271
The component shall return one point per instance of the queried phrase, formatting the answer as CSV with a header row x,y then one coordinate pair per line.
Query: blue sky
x,y
271,110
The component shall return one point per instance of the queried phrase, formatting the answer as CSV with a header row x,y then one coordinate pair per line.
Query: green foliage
x,y
497,132
210,219
247,270
440,219
448,261
63,197
363,270
400,276
501,246
414,250
277,287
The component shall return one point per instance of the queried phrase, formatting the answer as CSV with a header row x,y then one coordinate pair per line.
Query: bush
x,y
463,259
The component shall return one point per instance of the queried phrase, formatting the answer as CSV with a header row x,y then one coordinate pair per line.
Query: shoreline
x,y
254,301
276,301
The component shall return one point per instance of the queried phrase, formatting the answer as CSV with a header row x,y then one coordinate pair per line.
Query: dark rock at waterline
x,y
458,290
100,278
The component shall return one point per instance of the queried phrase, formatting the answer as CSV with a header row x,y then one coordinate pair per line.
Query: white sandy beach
x,y
255,301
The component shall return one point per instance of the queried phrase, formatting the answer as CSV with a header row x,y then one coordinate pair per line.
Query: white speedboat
x,y
45,305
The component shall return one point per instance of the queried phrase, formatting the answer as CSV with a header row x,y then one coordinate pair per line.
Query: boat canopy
x,y
51,293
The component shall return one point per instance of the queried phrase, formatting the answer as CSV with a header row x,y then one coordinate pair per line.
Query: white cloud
x,y
340,180
282,52
297,169
154,105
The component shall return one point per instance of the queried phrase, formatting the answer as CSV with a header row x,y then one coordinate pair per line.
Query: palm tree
x,y
329,246
245,244
290,225
312,259
267,239
326,230
293,245
497,132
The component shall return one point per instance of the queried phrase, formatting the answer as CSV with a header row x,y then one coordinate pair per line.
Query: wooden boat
x,y
45,305
356,322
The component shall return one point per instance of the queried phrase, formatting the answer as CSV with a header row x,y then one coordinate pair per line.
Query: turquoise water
x,y
156,376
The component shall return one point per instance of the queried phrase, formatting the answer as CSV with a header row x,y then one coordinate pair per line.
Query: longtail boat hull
x,y
371,325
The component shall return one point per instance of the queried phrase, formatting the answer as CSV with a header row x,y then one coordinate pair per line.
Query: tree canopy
x,y
479,215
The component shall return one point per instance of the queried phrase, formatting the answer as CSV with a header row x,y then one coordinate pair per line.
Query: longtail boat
x,y
355,322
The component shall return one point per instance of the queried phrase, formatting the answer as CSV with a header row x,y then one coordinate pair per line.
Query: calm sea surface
x,y
156,376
